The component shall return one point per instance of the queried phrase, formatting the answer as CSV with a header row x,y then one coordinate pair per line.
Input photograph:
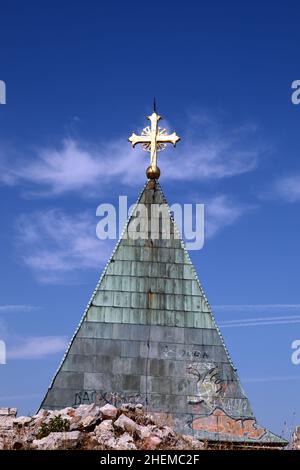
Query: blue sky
x,y
80,78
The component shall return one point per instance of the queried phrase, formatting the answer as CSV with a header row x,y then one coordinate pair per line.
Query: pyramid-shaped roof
x,y
148,336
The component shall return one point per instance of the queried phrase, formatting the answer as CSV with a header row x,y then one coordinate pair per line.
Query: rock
x,y
58,441
131,407
41,414
161,419
109,443
92,427
60,414
75,423
105,426
125,442
6,422
90,441
88,410
89,422
155,431
8,412
164,433
133,411
7,416
84,417
126,424
104,433
39,418
109,411
18,445
150,419
22,421
143,432
68,411
192,442
296,439
7,439
151,442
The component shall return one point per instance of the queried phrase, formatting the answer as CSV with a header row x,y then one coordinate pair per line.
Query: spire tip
x,y
154,105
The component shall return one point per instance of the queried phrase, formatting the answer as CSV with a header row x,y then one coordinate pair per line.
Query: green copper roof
x,y
148,335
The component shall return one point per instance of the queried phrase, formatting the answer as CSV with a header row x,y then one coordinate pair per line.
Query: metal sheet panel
x,y
148,336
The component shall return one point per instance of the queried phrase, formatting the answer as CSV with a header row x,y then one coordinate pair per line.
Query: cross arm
x,y
172,138
138,139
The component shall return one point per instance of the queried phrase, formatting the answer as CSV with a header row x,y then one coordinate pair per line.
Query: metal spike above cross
x,y
154,139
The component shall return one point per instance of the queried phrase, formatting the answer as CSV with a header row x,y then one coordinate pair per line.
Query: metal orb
x,y
153,173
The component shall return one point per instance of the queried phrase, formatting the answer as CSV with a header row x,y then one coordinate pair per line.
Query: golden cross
x,y
153,140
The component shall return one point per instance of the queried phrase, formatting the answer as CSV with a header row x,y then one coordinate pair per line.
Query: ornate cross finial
x,y
153,140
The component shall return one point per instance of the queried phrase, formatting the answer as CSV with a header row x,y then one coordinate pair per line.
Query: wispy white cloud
x,y
56,245
265,319
77,166
255,307
3,329
287,188
37,347
74,166
209,152
221,211
284,378
29,396
17,308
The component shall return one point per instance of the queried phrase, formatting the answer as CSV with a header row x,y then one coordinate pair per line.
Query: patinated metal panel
x,y
148,336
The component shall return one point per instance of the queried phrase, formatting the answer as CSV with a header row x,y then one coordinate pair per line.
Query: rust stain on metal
x,y
150,298
151,184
